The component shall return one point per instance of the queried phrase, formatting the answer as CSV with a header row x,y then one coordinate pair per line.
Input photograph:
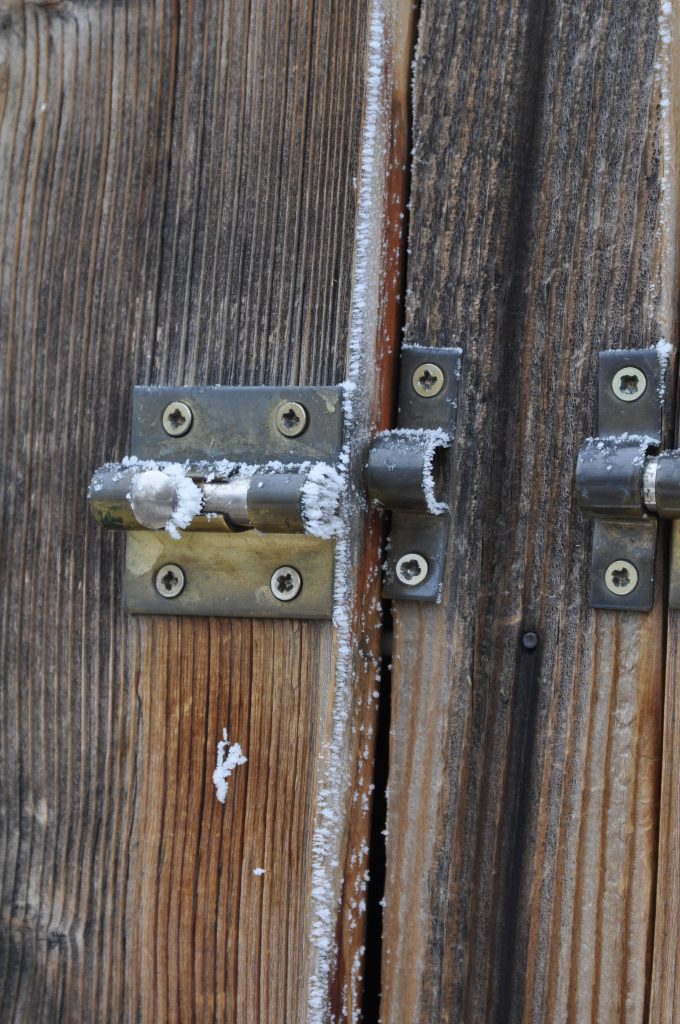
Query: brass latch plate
x,y
215,570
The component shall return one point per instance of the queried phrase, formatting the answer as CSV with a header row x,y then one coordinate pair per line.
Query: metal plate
x,y
228,574
439,410
237,424
643,416
422,534
633,541
674,574
416,532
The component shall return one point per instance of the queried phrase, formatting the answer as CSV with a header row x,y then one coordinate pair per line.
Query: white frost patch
x,y
666,232
664,26
321,494
663,351
229,756
189,499
357,978
258,871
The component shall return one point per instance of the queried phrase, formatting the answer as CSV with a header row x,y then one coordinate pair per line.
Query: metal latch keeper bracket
x,y
407,472
620,479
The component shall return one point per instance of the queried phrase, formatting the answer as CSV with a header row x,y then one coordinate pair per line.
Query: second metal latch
x,y
625,483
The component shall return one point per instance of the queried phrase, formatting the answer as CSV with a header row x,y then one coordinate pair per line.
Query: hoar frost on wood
x,y
663,351
229,757
334,767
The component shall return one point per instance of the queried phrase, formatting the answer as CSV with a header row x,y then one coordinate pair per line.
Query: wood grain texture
x,y
665,998
178,206
523,791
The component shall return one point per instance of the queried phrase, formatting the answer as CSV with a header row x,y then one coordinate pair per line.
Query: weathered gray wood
x,y
178,205
523,793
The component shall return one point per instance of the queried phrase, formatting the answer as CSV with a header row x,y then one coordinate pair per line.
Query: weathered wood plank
x,y
665,998
179,205
523,792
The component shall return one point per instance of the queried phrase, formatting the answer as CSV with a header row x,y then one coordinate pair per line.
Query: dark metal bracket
x,y
616,479
408,469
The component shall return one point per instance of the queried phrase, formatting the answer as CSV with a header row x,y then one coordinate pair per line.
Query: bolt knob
x,y
153,497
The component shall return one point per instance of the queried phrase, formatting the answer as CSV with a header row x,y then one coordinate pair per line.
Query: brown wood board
x,y
179,206
524,786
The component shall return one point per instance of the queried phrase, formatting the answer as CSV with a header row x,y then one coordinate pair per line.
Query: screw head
x,y
170,580
427,380
177,419
530,641
621,577
629,384
286,583
412,569
291,419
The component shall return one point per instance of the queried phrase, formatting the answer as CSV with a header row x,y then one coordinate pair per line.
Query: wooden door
x,y
192,193
266,193
523,808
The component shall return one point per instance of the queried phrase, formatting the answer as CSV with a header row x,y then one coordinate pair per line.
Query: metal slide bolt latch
x,y
152,499
224,497
212,500
623,483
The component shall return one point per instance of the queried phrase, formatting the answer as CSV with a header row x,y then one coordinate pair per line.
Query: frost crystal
x,y
363,326
226,764
321,495
189,499
663,351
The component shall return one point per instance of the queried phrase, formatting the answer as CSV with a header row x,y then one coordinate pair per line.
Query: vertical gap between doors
x,y
378,853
